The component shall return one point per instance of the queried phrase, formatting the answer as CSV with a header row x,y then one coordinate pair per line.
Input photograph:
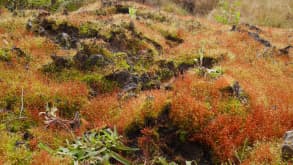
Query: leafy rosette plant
x,y
97,147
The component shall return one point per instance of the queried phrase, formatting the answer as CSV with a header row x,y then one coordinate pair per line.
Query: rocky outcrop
x,y
84,61
121,77
287,147
256,37
253,31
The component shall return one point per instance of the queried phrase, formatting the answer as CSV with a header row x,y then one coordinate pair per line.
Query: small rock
x,y
19,52
29,25
168,87
43,13
130,87
286,50
41,31
65,12
236,89
145,78
27,136
65,40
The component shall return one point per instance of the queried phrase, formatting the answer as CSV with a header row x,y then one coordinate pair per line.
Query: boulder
x,y
84,61
61,62
121,77
287,146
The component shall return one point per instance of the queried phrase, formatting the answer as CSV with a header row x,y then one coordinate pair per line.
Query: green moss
x,y
165,74
88,29
68,108
106,53
106,11
189,59
73,5
183,135
232,106
120,61
172,36
39,3
18,125
14,154
155,16
50,68
106,32
9,101
217,71
5,55
99,83
68,74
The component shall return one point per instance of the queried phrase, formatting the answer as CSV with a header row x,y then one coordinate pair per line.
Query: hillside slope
x,y
179,88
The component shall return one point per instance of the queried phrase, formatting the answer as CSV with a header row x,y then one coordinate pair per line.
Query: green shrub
x,y
97,147
228,12
132,12
99,83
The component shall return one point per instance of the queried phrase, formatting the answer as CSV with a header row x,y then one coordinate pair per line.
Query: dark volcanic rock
x,y
256,37
130,87
174,39
184,67
287,147
169,139
61,62
286,50
84,61
153,84
19,52
65,40
80,59
96,60
145,78
121,77
122,9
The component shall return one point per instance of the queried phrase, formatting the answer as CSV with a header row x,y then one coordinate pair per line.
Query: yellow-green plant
x,y
132,12
97,147
228,12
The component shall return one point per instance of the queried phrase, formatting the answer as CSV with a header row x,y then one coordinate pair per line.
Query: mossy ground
x,y
198,107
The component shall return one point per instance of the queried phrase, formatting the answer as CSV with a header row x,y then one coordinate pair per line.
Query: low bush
x,y
97,148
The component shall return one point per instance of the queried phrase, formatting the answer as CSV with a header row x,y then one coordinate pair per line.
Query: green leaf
x,y
46,148
119,158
